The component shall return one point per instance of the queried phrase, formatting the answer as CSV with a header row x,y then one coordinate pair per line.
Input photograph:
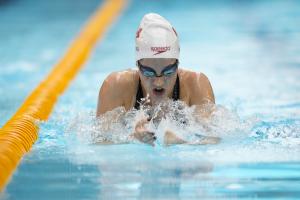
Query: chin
x,y
158,99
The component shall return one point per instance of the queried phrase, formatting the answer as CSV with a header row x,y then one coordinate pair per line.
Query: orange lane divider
x,y
21,131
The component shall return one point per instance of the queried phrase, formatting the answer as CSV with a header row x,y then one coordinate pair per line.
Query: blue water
x,y
250,52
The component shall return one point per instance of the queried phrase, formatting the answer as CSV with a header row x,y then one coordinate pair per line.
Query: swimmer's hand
x,y
206,140
142,134
171,139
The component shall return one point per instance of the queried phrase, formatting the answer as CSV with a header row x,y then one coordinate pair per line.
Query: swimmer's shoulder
x,y
118,89
196,84
122,82
192,77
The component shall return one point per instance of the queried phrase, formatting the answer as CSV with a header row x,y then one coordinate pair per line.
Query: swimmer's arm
x,y
110,97
204,106
203,98
108,100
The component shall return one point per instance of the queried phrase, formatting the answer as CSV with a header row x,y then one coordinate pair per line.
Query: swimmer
x,y
158,77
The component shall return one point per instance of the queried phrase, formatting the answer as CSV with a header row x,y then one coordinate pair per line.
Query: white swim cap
x,y
156,38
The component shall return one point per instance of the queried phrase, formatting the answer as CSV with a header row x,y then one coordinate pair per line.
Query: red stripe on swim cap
x,y
174,31
138,33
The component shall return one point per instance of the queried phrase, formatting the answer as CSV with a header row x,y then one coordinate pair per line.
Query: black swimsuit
x,y
140,95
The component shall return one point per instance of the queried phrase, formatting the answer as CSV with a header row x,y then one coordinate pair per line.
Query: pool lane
x,y
33,36
252,61
21,131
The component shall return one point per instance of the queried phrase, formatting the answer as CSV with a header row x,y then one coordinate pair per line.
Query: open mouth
x,y
158,91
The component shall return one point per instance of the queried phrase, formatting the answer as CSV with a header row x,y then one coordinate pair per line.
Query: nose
x,y
158,81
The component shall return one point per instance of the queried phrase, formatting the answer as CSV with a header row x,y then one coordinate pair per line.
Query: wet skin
x,y
120,88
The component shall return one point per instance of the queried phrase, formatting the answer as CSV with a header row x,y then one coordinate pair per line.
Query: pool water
x,y
250,52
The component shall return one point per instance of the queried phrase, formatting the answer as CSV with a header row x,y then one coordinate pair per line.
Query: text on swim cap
x,y
159,50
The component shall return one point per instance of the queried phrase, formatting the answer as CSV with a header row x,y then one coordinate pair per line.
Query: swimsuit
x,y
140,95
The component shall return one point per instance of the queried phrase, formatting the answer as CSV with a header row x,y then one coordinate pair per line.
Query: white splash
x,y
242,140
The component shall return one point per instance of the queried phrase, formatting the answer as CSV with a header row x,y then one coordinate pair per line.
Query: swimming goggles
x,y
149,72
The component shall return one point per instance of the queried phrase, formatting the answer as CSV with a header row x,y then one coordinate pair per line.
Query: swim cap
x,y
156,38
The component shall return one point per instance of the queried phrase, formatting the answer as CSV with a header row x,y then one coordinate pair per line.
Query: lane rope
x,y
21,131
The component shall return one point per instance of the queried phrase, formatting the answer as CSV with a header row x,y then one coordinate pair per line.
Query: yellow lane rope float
x,y
21,131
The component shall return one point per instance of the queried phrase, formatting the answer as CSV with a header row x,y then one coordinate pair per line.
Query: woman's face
x,y
158,77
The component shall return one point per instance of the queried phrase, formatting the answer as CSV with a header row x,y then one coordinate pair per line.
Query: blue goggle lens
x,y
167,71
148,73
